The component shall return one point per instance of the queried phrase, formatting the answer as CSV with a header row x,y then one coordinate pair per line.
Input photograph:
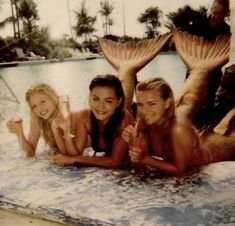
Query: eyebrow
x,y
106,98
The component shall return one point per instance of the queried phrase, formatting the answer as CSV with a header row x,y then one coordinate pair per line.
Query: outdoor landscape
x,y
36,43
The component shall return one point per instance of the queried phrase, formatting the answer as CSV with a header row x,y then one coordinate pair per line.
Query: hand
x,y
222,127
62,160
136,154
60,123
127,134
15,126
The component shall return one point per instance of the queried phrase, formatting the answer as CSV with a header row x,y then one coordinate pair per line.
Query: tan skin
x,y
103,103
223,125
45,109
151,108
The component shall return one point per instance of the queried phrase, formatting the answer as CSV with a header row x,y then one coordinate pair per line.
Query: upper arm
x,y
183,138
81,122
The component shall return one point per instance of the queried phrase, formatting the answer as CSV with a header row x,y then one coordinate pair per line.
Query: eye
x,y
95,98
109,101
152,103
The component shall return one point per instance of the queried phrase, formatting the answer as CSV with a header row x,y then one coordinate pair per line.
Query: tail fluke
x,y
128,58
201,57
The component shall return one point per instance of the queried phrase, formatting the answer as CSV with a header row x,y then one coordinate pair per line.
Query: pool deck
x,y
37,62
75,195
8,218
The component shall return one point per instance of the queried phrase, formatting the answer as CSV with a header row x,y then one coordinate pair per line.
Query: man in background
x,y
225,95
215,25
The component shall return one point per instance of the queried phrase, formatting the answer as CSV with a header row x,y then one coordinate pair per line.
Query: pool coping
x,y
37,62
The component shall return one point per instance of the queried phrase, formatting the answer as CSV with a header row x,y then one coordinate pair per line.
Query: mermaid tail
x,y
128,58
201,57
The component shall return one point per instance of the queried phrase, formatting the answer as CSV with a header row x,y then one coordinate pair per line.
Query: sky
x,y
59,15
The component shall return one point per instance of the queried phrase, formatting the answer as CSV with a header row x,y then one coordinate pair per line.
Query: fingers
x,y
14,126
127,133
135,154
58,160
221,128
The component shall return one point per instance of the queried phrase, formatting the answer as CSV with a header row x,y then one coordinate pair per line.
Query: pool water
x,y
77,195
73,78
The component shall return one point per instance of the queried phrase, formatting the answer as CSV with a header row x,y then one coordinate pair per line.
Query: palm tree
x,y
29,14
151,19
85,23
106,9
15,17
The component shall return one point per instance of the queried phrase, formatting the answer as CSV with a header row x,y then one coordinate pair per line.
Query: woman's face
x,y
103,103
151,107
42,105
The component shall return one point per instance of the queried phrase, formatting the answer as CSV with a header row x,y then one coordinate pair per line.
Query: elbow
x,y
75,153
30,154
114,165
179,172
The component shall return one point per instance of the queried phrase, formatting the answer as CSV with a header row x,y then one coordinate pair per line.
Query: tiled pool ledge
x,y
93,196
38,62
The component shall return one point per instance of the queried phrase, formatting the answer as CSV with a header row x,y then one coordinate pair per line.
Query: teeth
x,y
101,113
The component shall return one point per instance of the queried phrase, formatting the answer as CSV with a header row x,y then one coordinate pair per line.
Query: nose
x,y
101,105
144,110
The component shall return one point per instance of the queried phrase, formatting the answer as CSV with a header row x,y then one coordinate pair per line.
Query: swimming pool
x,y
73,77
92,196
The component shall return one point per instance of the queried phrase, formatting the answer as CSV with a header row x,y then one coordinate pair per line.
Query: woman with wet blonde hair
x,y
45,116
161,138
44,125
164,138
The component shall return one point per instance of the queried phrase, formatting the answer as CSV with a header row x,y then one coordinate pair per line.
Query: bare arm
x,y
223,125
119,152
182,144
65,142
28,145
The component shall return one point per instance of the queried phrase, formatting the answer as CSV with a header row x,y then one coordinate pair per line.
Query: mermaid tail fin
x,y
128,58
198,52
201,57
136,54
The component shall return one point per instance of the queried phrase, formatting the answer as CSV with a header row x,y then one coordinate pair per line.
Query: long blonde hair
x,y
160,85
43,124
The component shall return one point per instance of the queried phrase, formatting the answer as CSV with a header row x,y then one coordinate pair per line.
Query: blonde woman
x,y
164,138
45,118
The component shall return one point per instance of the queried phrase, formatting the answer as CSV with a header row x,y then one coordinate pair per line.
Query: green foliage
x,y
59,52
188,19
106,9
151,19
85,23
29,14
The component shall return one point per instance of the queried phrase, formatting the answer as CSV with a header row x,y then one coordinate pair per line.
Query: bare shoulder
x,y
81,117
85,113
182,128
